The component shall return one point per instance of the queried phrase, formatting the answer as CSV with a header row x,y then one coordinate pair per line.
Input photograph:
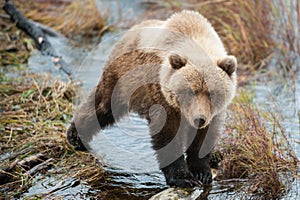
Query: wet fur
x,y
145,52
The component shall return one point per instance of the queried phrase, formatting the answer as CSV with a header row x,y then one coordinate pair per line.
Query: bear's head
x,y
201,88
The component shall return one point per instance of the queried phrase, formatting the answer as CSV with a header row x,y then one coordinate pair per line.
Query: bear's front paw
x,y
203,175
178,175
74,139
184,183
200,169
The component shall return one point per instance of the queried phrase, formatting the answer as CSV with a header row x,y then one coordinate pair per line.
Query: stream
x,y
125,147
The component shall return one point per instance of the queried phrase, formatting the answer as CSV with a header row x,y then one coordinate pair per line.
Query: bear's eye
x,y
191,93
212,94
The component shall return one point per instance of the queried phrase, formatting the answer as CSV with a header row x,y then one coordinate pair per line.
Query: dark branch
x,y
36,33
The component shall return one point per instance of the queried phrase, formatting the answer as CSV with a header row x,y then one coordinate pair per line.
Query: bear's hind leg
x,y
74,139
93,115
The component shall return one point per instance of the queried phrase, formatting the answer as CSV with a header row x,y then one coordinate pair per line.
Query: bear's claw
x,y
205,177
178,175
74,139
184,183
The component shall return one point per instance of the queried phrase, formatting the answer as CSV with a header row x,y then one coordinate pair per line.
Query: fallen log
x,y
39,37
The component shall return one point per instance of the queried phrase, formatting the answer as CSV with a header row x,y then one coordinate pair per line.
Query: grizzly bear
x,y
177,75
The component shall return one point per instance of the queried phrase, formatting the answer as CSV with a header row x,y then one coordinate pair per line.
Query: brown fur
x,y
177,75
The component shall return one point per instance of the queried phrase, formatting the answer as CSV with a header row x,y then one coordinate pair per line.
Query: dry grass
x,y
66,16
252,30
34,114
35,110
244,27
286,17
255,147
15,46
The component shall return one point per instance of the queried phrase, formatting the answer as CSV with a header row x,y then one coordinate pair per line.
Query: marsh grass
x,y
244,26
35,110
34,113
252,30
255,146
33,119
72,18
286,17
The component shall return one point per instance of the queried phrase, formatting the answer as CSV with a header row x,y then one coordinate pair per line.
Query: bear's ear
x,y
177,61
228,64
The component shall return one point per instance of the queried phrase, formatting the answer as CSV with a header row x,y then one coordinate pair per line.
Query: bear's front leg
x,y
199,166
177,174
168,144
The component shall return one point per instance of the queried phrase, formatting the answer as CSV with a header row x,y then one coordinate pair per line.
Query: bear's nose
x,y
200,121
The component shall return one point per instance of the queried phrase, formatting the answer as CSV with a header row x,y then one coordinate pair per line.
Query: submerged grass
x,y
33,121
255,147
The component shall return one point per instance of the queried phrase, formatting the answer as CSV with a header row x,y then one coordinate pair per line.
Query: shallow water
x,y
282,96
126,148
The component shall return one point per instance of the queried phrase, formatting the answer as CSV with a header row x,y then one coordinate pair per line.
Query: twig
x,y
16,154
4,16
201,4
37,35
39,167
65,184
28,163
